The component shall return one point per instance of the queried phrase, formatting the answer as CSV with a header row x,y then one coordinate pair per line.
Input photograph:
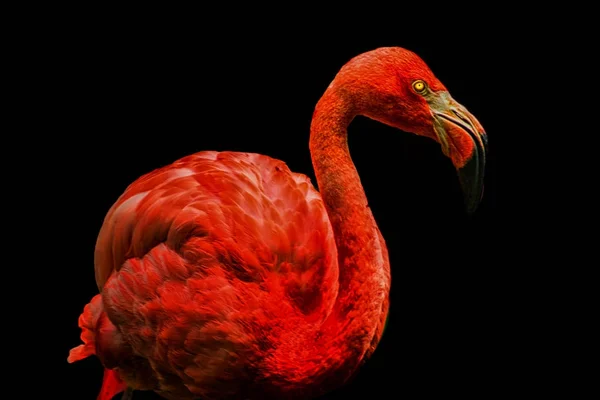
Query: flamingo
x,y
226,275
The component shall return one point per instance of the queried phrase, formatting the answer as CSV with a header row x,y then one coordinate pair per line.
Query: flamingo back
x,y
213,255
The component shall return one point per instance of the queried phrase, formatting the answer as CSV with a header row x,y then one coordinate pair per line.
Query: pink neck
x,y
331,352
355,230
363,283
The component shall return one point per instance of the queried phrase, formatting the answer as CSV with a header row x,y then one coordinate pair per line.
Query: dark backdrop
x,y
134,99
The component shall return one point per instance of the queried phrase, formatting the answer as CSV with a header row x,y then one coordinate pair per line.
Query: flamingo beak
x,y
464,140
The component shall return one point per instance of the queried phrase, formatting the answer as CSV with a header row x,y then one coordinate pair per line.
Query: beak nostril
x,y
468,120
461,116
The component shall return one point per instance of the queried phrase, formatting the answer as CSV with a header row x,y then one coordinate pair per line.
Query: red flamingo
x,y
226,275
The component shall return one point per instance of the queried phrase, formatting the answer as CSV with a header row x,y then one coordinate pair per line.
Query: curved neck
x,y
332,351
363,283
355,230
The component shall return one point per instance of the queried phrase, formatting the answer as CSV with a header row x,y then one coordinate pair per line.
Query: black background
x,y
137,96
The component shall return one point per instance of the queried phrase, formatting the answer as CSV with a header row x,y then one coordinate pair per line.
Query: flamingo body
x,y
220,257
225,275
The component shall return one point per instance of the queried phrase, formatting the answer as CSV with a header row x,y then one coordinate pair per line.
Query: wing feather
x,y
247,213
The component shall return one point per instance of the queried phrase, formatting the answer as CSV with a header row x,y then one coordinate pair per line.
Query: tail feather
x,y
97,335
87,322
112,384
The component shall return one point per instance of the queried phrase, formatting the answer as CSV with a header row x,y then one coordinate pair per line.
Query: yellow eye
x,y
419,86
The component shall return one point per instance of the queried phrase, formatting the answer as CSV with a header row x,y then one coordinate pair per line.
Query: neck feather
x,y
336,349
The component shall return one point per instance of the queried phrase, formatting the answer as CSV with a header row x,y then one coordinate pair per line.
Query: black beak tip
x,y
471,180
471,207
470,210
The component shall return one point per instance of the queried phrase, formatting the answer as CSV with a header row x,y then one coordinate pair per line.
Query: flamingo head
x,y
395,86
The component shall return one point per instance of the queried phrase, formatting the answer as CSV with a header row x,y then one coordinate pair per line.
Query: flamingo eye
x,y
420,87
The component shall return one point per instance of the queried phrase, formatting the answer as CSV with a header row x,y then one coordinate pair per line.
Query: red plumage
x,y
231,244
225,275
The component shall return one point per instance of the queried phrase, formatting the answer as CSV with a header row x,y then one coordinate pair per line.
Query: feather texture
x,y
200,261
